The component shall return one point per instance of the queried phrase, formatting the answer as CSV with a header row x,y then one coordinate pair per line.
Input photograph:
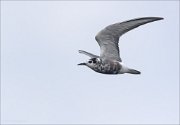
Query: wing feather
x,y
108,38
88,54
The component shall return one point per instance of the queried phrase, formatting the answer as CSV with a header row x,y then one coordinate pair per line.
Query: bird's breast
x,y
108,68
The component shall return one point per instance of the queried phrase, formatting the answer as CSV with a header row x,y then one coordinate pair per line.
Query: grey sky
x,y
40,79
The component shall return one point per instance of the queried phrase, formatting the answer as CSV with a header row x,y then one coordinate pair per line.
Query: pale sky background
x,y
40,79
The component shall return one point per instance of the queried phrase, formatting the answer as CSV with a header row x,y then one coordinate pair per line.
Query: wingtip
x,y
144,20
160,18
79,51
156,18
153,18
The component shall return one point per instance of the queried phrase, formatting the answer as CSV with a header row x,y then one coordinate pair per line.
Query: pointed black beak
x,y
82,64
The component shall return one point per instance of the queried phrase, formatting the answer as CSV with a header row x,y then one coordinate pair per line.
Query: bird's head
x,y
91,63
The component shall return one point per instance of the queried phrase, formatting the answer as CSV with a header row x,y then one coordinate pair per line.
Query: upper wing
x,y
88,54
108,38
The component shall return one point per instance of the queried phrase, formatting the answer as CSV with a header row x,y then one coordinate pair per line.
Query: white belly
x,y
124,69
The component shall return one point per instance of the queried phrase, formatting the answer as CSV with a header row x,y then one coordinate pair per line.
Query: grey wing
x,y
88,54
108,38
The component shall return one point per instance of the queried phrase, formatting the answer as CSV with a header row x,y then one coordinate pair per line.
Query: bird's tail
x,y
133,71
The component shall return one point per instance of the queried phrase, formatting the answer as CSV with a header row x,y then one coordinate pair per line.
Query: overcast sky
x,y
40,79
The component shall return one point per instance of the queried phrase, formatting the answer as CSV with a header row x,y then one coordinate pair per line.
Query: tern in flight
x,y
109,61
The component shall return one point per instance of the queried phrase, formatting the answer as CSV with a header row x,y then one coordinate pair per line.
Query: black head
x,y
91,62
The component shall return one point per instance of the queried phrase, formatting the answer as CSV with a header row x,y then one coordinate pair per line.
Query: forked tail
x,y
133,71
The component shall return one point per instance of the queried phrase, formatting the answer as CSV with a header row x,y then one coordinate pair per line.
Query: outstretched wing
x,y
88,54
108,38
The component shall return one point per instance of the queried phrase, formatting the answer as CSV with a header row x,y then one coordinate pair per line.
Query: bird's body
x,y
106,66
109,61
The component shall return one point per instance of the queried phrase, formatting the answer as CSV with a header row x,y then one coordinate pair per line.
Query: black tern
x,y
109,61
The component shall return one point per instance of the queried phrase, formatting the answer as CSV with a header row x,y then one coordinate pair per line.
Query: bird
x,y
109,61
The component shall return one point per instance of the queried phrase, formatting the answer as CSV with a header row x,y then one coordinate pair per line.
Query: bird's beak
x,y
82,64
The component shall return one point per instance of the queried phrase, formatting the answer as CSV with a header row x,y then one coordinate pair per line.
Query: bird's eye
x,y
90,61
